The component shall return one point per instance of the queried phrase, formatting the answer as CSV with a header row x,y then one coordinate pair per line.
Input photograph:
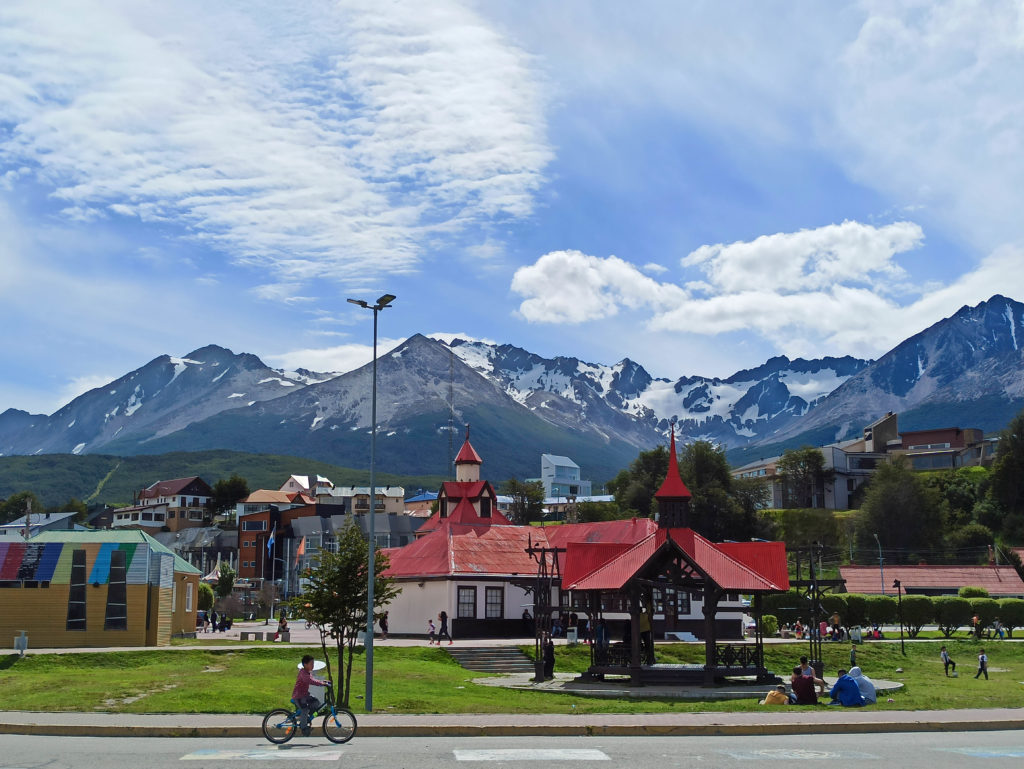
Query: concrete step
x,y
507,659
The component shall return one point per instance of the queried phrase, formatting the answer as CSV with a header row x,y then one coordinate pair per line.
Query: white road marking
x,y
987,752
793,754
265,754
531,754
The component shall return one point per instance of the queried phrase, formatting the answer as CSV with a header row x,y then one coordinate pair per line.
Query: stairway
x,y
492,659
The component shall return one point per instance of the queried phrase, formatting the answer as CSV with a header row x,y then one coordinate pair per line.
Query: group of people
x,y
948,664
212,622
433,634
851,689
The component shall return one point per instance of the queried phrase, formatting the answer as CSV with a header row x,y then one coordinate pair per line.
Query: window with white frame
x,y
494,602
188,596
467,603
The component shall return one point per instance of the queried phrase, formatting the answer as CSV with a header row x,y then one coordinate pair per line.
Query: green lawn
x,y
427,680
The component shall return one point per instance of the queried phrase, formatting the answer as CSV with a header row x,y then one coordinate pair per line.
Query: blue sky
x,y
696,186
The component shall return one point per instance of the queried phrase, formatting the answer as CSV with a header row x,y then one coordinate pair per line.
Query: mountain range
x,y
965,370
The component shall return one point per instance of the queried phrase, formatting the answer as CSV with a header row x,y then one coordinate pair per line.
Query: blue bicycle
x,y
339,724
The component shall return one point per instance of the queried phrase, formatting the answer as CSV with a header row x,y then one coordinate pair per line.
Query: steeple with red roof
x,y
673,496
467,463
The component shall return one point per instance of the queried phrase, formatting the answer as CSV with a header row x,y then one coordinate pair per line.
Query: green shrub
x,y
881,609
968,591
835,603
986,610
205,597
856,609
951,613
769,625
1011,614
787,607
917,612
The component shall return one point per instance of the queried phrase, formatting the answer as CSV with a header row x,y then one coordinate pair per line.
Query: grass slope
x,y
55,478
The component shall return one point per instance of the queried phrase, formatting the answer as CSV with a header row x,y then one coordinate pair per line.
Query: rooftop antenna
x,y
451,413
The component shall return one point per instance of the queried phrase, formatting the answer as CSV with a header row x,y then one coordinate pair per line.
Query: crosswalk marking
x,y
531,754
794,754
264,754
987,752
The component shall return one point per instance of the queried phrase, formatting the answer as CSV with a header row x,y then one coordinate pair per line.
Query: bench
x,y
250,635
285,636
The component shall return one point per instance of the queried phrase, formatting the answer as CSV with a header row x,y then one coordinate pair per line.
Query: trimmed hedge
x,y
1011,614
951,613
917,612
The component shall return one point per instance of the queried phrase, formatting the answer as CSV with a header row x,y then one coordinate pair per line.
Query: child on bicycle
x,y
306,702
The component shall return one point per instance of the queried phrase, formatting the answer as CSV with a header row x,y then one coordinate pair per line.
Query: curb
x,y
541,730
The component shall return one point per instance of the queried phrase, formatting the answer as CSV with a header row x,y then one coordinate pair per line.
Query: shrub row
x,y
950,613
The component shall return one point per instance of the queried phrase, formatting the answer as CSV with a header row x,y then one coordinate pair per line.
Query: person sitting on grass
x,y
865,684
846,692
803,689
306,702
776,696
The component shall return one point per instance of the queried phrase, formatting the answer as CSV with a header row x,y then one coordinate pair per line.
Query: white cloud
x,y
327,141
340,359
654,267
572,287
811,292
80,385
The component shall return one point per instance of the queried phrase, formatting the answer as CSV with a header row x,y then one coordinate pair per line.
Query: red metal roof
x,y
463,549
467,454
629,531
582,558
998,580
766,558
724,570
672,486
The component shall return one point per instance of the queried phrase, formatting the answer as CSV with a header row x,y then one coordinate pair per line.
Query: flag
x,y
270,542
300,551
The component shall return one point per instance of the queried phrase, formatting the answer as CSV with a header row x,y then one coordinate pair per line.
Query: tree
x,y
229,492
969,591
951,613
16,505
1008,470
1011,614
902,512
205,600
716,511
971,538
634,488
527,500
225,580
335,595
76,506
986,610
881,609
803,476
917,612
589,512
856,609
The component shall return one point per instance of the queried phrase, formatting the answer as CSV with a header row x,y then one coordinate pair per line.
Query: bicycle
x,y
339,724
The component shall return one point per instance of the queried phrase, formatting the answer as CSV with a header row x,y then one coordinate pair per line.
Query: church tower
x,y
673,496
467,463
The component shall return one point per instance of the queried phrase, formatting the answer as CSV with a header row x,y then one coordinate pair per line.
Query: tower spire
x,y
673,496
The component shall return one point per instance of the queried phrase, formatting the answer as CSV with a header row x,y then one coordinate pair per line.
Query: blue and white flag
x,y
270,542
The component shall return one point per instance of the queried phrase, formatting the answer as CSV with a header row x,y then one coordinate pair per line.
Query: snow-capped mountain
x,y
736,410
162,397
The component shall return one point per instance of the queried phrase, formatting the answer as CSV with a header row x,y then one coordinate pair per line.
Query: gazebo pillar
x,y
634,638
711,596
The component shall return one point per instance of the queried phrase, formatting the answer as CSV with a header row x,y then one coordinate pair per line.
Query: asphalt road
x,y
907,750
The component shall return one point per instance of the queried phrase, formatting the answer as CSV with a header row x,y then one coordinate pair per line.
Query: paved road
x,y
933,751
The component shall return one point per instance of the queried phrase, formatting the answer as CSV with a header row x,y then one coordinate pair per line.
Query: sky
x,y
696,186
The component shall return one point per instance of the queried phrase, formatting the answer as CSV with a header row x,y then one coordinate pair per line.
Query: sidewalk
x,y
782,721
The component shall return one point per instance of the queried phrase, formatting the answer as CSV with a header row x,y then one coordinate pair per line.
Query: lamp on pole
x,y
899,604
381,304
881,567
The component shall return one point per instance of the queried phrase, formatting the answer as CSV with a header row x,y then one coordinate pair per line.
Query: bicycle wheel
x,y
340,726
279,726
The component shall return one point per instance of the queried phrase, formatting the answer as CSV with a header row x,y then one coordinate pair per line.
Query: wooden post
x,y
634,635
711,596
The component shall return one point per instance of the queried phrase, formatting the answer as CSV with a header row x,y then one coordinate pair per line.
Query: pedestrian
x,y
997,627
982,664
549,658
213,621
384,626
527,623
442,632
947,662
853,656
431,632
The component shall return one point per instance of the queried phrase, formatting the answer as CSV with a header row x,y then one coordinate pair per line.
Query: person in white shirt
x,y
982,664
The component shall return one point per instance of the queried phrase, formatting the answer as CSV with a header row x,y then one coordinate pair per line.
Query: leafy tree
x,y
716,511
769,625
634,487
971,538
335,595
986,610
205,600
1011,614
917,612
527,500
226,580
881,609
856,609
960,492
76,506
902,511
227,492
951,613
788,607
835,603
1008,470
969,591
803,475
590,512
15,506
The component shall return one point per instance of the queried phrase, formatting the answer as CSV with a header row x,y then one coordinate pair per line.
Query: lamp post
x,y
881,568
381,304
899,607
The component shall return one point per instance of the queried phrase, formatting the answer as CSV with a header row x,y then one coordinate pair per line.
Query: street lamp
x,y
381,304
899,604
881,568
